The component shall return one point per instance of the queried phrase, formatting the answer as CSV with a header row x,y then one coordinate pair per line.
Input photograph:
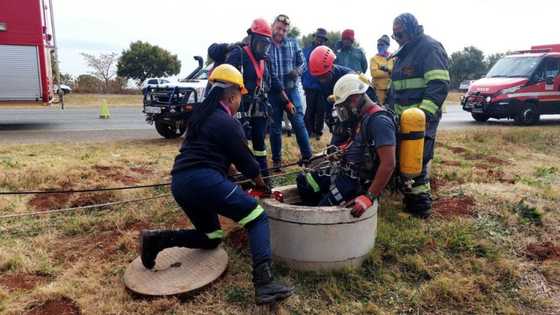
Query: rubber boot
x,y
154,241
151,243
266,290
418,205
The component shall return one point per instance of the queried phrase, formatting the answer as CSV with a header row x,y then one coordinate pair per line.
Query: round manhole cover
x,y
177,271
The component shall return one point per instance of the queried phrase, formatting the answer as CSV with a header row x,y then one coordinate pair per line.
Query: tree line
x,y
111,72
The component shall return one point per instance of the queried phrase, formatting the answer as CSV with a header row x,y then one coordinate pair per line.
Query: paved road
x,y
40,125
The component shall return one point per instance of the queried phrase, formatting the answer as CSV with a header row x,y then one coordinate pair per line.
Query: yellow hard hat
x,y
226,73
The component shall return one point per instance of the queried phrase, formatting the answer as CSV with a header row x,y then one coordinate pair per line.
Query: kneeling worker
x,y
214,142
368,158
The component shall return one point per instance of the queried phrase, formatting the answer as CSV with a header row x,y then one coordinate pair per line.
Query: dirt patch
x,y
238,238
543,251
456,150
449,207
49,201
71,249
495,160
451,163
437,183
499,176
60,306
142,171
115,173
21,281
88,199
483,166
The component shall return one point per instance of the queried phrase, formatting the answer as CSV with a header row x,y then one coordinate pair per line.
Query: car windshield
x,y
514,67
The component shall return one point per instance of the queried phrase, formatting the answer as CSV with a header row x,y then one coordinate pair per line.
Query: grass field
x,y
492,245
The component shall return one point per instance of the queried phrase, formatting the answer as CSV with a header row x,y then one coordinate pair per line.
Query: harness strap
x,y
412,135
259,66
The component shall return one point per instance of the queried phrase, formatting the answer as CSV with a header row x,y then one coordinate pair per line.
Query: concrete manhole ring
x,y
177,271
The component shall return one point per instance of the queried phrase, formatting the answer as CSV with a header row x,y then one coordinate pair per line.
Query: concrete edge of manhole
x,y
177,271
311,215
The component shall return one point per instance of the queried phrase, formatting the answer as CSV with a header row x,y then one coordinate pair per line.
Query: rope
x,y
108,204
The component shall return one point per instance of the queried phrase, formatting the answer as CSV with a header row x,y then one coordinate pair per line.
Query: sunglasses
x,y
283,19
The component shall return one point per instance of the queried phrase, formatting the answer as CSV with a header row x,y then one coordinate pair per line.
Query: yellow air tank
x,y
411,148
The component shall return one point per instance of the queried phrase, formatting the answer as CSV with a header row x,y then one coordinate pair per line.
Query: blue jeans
x,y
203,193
296,120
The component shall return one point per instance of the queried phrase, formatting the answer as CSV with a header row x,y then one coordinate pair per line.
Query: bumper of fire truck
x,y
490,106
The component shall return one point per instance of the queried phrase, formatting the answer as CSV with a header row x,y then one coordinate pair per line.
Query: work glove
x,y
259,192
359,205
290,108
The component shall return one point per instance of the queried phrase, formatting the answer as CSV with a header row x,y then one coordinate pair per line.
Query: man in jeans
x,y
287,64
315,111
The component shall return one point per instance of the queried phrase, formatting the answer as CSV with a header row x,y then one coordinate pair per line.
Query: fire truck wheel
x,y
169,130
480,117
527,116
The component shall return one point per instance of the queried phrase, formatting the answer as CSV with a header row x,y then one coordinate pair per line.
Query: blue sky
x,y
186,28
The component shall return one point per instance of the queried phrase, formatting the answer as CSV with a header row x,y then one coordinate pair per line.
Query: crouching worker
x,y
366,161
215,140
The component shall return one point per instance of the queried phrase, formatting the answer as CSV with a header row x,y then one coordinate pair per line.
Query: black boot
x,y
151,243
418,205
154,241
266,290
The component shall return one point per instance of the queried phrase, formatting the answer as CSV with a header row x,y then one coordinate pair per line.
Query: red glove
x,y
290,108
259,192
361,204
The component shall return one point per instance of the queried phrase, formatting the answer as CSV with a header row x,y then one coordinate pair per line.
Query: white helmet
x,y
349,84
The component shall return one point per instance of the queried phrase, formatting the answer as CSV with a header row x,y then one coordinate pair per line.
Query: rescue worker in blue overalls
x,y
321,65
251,60
200,185
367,159
420,79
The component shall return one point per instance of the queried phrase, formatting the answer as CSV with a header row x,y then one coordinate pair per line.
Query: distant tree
x,y
54,67
144,60
87,83
333,37
103,67
294,32
67,78
467,64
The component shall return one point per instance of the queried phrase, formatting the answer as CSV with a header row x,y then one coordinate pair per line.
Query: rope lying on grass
x,y
109,204
73,191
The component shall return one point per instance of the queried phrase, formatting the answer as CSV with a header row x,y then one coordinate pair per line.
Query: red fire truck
x,y
523,85
26,49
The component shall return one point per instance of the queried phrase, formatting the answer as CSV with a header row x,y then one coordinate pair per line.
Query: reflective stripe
x,y
260,153
399,109
252,216
216,234
429,106
336,194
408,84
436,75
311,181
420,189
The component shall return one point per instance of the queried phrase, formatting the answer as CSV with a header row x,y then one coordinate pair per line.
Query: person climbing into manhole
x,y
200,185
367,159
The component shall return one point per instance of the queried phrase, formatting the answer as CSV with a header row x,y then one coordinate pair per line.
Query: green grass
x,y
450,264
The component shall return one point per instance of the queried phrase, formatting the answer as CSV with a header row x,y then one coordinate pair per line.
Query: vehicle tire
x,y
527,116
169,129
480,117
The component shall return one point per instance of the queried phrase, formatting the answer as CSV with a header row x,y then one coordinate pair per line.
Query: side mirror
x,y
549,80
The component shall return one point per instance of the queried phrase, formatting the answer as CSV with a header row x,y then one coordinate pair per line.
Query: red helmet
x,y
321,61
260,27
